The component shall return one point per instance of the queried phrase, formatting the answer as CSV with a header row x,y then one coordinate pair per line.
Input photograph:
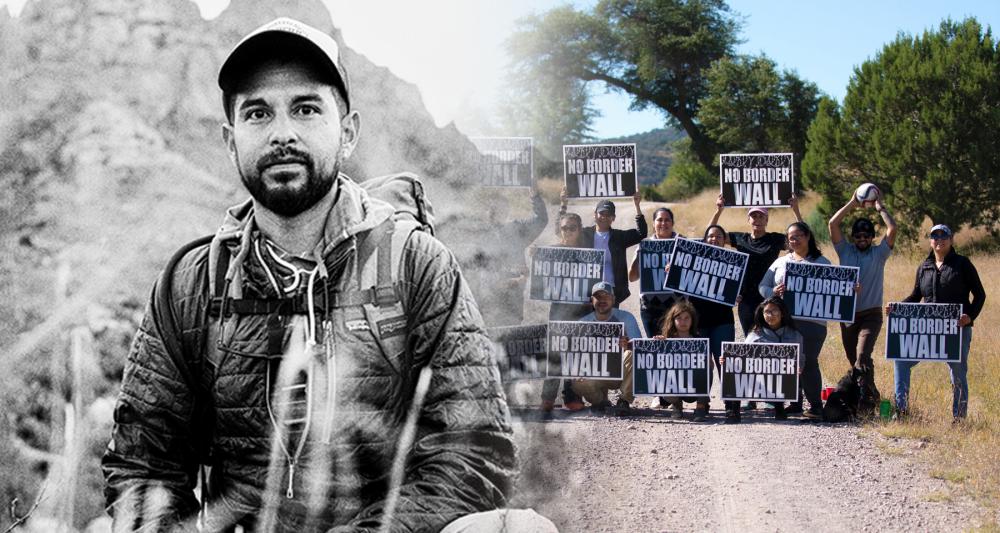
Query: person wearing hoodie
x,y
771,324
340,379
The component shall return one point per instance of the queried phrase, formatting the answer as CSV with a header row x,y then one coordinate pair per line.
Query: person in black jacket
x,y
945,277
616,241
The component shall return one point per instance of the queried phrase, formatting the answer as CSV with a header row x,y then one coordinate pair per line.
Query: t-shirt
x,y
762,251
872,273
601,243
619,315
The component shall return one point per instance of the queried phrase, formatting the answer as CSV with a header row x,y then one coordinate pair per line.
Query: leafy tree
x,y
920,121
751,107
686,177
657,51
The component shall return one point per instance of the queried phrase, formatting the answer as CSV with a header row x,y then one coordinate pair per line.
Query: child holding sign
x,y
681,322
802,247
771,323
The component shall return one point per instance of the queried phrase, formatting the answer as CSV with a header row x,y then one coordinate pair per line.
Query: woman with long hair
x,y
681,322
652,307
802,248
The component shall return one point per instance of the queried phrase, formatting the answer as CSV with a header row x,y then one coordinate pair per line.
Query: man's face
x,y
603,220
602,302
862,240
757,221
287,139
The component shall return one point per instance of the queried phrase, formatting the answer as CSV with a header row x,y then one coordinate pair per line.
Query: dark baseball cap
x,y
605,205
863,225
287,35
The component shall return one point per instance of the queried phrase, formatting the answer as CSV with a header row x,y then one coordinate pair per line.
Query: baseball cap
x,y
603,286
863,225
288,35
605,205
761,210
942,228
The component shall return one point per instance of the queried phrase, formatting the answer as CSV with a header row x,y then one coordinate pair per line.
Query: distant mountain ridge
x,y
653,151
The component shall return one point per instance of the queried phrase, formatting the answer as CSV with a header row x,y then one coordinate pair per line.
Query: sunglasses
x,y
940,236
569,228
862,235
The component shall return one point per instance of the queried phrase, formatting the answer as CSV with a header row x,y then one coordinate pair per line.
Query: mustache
x,y
284,154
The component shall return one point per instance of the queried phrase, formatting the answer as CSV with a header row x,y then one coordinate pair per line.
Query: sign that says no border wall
x,y
600,170
749,180
565,274
760,371
521,351
824,292
589,350
671,366
705,271
654,255
505,161
924,332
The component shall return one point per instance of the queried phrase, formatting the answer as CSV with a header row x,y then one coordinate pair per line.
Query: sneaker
x,y
733,416
750,406
574,405
677,411
700,413
622,406
779,412
547,406
794,408
813,414
899,416
600,407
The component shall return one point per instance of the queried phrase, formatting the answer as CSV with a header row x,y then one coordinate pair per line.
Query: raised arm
x,y
836,236
793,202
720,205
890,223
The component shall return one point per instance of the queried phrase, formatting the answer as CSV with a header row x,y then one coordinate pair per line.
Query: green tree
x,y
656,51
920,121
751,107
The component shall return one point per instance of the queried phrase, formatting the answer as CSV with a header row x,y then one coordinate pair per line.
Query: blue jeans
x,y
959,382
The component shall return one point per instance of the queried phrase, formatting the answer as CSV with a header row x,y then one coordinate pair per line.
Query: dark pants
x,y
813,335
859,338
651,317
748,305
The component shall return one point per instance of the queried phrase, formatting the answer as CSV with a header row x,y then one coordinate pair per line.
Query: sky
x,y
453,49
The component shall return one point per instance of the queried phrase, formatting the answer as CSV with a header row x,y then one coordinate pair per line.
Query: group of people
x,y
944,277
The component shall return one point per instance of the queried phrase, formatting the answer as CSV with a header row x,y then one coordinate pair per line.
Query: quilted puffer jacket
x,y
210,403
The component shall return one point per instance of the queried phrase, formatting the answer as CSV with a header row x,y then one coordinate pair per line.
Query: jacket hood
x,y
353,212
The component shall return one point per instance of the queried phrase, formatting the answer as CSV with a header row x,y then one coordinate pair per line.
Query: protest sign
x,y
505,161
705,271
760,371
825,292
599,170
676,367
565,274
924,332
590,350
654,254
521,351
749,180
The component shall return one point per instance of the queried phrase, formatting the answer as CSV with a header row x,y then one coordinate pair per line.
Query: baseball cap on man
x,y
761,210
863,225
942,229
287,35
603,286
605,205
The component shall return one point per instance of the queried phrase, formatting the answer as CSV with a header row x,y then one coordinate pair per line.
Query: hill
x,y
653,151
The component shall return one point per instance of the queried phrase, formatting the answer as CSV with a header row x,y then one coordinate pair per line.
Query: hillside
x,y
653,151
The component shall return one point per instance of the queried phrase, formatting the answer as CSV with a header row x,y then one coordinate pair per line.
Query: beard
x,y
289,201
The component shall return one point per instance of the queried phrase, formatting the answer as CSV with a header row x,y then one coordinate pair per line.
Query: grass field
x,y
966,455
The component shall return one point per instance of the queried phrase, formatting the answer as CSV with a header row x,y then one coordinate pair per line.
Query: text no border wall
x,y
751,180
565,275
675,367
600,170
822,292
760,371
505,161
587,350
521,351
654,255
924,332
704,271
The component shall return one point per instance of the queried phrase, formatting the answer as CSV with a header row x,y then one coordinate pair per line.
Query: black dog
x,y
853,396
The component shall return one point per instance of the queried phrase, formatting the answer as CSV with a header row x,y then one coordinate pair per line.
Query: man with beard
x,y
326,361
859,336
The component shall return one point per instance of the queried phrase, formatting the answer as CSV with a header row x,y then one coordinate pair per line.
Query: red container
x,y
826,392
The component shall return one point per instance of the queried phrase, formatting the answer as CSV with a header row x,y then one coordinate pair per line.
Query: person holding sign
x,y
859,336
596,391
772,323
601,236
681,322
945,277
653,307
802,248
